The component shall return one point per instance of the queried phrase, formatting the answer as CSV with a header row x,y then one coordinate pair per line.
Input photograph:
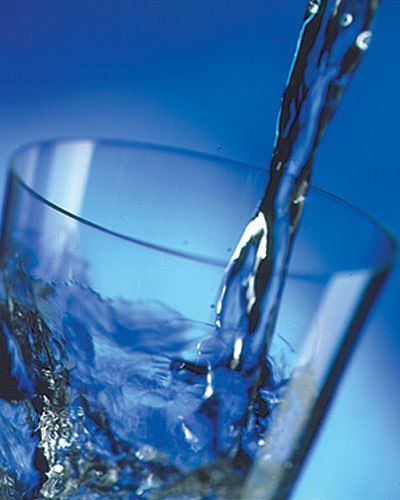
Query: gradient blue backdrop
x,y
208,75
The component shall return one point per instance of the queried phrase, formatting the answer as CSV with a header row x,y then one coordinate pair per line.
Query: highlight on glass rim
x,y
180,290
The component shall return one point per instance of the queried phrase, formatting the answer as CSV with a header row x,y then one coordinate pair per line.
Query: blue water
x,y
116,398
102,398
334,36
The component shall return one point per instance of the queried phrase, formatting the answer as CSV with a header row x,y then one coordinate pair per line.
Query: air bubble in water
x,y
346,20
363,40
313,7
146,453
58,468
63,443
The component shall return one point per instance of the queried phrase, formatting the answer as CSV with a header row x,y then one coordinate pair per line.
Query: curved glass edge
x,y
386,264
319,405
394,242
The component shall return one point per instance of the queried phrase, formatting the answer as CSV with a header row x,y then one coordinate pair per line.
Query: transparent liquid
x,y
334,36
116,398
102,399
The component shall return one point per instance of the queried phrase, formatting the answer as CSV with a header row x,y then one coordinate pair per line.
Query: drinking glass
x,y
113,378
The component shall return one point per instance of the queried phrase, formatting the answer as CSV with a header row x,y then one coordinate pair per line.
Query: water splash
x,y
116,398
346,20
364,39
333,38
179,413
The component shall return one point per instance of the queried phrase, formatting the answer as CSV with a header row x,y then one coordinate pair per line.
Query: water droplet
x,y
212,306
185,242
146,453
63,443
113,475
176,366
288,465
346,20
236,353
300,199
190,437
209,388
363,40
313,7
58,468
229,249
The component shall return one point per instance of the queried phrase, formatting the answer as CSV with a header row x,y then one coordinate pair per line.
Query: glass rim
x,y
387,263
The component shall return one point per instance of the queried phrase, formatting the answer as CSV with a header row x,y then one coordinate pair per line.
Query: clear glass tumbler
x,y
113,380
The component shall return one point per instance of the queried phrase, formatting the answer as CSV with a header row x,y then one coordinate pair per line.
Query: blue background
x,y
208,75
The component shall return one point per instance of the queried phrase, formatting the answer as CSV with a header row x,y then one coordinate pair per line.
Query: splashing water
x,y
334,36
187,407
112,398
